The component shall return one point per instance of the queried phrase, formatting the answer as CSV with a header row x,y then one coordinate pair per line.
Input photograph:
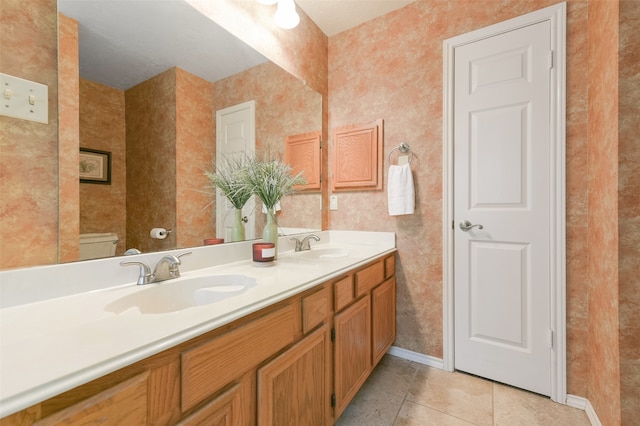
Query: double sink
x,y
187,292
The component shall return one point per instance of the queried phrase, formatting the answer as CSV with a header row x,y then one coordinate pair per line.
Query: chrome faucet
x,y
166,269
305,243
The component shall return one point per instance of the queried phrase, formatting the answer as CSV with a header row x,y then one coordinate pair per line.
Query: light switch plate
x,y
24,99
333,202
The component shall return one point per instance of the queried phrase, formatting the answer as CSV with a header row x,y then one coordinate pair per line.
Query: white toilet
x,y
94,246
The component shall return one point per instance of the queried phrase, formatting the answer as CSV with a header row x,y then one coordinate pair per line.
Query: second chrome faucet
x,y
167,268
305,243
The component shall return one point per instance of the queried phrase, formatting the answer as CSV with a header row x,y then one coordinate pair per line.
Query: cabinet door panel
x,y
383,306
293,389
352,356
224,410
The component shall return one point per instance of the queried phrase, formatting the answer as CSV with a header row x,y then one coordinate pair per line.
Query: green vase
x,y
237,230
270,231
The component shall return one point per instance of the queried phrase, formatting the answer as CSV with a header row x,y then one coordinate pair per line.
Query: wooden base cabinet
x,y
383,318
364,326
287,364
352,351
294,388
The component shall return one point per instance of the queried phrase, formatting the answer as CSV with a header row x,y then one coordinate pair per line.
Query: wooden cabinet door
x,y
302,153
383,316
225,410
352,351
357,157
294,388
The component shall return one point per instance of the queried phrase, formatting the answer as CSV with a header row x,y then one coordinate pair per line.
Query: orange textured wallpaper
x,y
603,375
68,138
301,51
170,142
629,208
399,79
195,150
151,161
284,106
103,208
29,150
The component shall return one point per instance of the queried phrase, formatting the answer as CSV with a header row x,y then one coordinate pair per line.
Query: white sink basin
x,y
171,296
324,253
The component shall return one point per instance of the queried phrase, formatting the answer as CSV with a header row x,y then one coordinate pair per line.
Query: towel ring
x,y
403,148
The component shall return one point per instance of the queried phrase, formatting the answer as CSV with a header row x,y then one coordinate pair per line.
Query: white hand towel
x,y
400,191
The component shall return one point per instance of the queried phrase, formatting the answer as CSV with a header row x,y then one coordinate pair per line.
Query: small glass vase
x,y
237,230
270,231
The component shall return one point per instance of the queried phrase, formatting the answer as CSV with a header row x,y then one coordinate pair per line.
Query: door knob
x,y
465,225
245,219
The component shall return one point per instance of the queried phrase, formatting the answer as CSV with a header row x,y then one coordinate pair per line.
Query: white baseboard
x,y
584,404
416,357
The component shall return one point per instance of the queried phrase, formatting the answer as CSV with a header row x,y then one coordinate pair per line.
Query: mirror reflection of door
x,y
235,135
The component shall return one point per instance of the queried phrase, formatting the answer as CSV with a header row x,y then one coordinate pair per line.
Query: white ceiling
x,y
125,42
335,16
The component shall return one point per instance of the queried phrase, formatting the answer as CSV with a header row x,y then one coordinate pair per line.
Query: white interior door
x,y
502,188
235,135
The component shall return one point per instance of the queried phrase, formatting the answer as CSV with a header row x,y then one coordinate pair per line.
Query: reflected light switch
x,y
333,202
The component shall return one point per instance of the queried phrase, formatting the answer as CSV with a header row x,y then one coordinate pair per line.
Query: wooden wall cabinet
x,y
358,157
286,364
302,153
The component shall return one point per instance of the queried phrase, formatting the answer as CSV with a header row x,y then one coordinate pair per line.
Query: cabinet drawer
x,y
343,292
125,403
389,266
315,309
369,277
213,365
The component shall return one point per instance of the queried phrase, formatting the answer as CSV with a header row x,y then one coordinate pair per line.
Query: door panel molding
x,y
556,15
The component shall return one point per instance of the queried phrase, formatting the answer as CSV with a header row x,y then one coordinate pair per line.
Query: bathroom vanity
x,y
292,345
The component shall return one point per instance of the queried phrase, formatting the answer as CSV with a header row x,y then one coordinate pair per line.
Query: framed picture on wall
x,y
95,166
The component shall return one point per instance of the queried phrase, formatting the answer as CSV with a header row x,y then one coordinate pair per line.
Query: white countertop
x,y
53,344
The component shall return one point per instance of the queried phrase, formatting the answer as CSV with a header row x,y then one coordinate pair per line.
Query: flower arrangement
x,y
229,178
271,180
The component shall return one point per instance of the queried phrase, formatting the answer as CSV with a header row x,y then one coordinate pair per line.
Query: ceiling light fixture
x,y
286,16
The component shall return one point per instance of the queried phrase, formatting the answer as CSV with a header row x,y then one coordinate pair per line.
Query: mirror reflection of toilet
x,y
98,245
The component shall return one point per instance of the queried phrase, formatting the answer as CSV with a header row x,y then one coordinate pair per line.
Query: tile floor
x,y
401,392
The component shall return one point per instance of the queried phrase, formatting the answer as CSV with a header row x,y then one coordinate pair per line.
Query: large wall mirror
x,y
151,77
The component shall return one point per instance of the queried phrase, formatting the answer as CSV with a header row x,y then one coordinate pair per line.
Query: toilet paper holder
x,y
160,233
